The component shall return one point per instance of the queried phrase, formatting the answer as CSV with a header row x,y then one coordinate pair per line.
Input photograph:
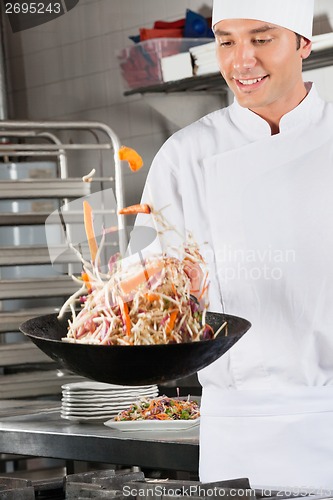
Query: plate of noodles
x,y
157,414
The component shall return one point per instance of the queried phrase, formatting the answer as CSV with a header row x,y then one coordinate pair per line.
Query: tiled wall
x,y
323,23
67,69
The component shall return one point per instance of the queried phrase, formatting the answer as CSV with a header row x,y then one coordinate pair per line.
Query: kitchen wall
x,y
67,70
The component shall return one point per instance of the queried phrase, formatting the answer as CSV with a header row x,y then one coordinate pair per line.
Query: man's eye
x,y
225,44
262,41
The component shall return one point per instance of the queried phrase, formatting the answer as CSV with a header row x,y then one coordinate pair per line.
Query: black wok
x,y
133,365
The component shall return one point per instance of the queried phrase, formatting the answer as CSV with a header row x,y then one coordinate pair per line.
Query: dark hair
x,y
298,41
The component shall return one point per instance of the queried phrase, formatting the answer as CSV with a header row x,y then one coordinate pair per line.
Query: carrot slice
x,y
171,321
205,287
162,416
152,296
134,159
135,209
125,314
85,278
131,283
89,228
204,290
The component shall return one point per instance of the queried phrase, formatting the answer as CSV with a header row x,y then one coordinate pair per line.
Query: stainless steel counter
x,y
39,430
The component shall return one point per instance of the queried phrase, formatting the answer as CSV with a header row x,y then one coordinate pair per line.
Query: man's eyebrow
x,y
261,29
222,33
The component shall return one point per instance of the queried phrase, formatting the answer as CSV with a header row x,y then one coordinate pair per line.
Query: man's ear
x,y
306,47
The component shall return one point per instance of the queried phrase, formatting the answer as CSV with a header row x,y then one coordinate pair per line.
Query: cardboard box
x,y
177,67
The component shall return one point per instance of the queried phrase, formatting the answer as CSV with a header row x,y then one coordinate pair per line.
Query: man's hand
x,y
195,273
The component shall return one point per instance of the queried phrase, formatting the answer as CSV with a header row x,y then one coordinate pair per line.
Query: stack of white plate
x,y
95,401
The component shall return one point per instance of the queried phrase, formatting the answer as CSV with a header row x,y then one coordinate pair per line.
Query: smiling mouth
x,y
250,82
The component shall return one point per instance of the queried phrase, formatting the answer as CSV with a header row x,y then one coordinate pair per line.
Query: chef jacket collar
x,y
255,127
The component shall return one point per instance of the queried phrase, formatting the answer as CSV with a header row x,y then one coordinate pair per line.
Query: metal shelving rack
x,y
214,82
204,94
26,370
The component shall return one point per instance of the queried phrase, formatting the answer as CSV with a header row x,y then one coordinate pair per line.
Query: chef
x,y
252,183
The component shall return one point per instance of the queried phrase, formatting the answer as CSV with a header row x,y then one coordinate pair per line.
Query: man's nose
x,y
244,57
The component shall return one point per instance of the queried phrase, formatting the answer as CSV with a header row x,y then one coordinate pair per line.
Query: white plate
x,y
96,401
114,411
105,394
105,400
84,419
100,414
100,386
88,411
152,425
127,397
94,405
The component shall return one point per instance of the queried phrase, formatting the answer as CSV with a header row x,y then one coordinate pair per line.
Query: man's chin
x,y
246,101
249,100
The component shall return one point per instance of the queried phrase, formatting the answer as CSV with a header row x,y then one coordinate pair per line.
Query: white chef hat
x,y
295,15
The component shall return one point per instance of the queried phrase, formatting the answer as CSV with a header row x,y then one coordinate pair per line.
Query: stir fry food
x,y
146,303
162,408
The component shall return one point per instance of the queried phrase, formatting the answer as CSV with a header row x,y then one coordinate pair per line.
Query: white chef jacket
x,y
261,208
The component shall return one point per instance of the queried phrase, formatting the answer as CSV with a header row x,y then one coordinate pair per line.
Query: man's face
x,y
261,64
